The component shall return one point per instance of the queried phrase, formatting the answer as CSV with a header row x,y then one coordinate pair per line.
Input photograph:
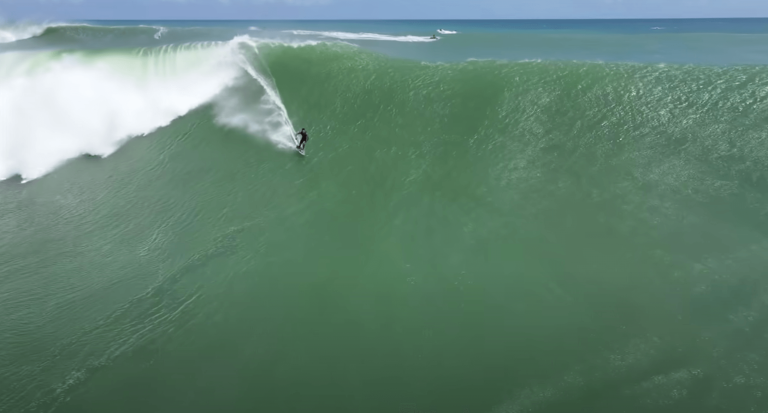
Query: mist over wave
x,y
55,106
255,107
11,32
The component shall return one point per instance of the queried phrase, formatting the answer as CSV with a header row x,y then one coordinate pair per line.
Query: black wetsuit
x,y
303,140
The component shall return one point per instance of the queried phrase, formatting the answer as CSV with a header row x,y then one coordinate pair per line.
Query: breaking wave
x,y
92,102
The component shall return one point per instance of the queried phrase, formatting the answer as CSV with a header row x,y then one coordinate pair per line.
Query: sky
x,y
375,9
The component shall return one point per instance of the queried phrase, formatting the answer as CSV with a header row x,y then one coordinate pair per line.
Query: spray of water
x,y
55,106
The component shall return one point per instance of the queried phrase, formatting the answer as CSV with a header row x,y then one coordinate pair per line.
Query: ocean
x,y
513,217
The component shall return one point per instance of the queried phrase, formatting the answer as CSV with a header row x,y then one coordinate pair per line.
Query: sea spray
x,y
11,32
55,105
264,116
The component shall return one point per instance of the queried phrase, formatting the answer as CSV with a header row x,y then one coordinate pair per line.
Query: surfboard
x,y
300,151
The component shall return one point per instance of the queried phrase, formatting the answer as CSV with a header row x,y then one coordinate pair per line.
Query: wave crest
x,y
13,32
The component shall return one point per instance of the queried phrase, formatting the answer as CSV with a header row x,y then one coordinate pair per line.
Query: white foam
x,y
55,106
255,42
253,28
362,36
20,31
441,31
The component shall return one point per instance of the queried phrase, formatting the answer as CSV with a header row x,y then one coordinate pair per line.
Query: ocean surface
x,y
514,217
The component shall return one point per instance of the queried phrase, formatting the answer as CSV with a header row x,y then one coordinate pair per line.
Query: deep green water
x,y
472,236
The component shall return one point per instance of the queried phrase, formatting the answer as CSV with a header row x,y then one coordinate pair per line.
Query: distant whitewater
x,y
363,36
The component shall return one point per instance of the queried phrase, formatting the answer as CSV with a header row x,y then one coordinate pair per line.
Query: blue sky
x,y
377,9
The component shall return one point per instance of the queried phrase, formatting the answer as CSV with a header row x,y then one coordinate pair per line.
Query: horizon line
x,y
449,19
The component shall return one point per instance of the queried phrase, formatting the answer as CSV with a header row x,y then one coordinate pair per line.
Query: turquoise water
x,y
516,217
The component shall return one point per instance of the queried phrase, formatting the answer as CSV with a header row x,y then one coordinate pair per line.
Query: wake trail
x,y
268,117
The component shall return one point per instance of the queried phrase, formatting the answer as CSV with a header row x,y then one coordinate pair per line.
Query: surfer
x,y
303,140
434,37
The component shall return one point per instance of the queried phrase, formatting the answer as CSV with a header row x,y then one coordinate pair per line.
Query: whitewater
x,y
58,105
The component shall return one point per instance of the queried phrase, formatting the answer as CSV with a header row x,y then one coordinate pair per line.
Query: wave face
x,y
488,235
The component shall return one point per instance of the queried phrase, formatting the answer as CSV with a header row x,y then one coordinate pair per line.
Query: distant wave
x,y
657,28
253,28
441,31
362,36
20,31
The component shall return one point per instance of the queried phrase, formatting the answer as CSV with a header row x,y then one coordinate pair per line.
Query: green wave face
x,y
512,126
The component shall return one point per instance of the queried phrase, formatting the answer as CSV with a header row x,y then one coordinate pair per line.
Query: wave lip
x,y
363,36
